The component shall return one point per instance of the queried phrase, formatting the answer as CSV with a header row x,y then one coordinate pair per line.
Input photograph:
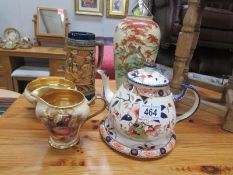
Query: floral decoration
x,y
147,150
61,123
136,42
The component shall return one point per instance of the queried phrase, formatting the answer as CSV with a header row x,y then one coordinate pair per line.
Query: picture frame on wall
x,y
89,7
117,8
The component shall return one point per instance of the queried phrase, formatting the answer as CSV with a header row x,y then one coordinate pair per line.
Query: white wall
x,y
19,14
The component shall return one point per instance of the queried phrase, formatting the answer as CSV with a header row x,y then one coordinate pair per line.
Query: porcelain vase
x,y
136,41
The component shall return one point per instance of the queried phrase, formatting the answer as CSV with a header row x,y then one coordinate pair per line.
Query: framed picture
x,y
142,8
89,7
117,8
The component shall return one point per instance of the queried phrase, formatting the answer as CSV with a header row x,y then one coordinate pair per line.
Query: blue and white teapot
x,y
142,112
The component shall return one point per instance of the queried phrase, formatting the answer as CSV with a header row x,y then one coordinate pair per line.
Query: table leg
x,y
186,44
228,121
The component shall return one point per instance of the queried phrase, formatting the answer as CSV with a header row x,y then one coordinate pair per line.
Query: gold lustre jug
x,y
63,112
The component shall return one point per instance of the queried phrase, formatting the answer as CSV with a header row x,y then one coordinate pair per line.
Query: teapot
x,y
142,113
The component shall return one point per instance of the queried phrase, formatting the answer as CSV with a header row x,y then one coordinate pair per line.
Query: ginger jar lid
x,y
148,76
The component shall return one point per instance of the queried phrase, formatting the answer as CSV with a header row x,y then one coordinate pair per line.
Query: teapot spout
x,y
106,91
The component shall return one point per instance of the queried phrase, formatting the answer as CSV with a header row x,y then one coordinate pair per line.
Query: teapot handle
x,y
193,109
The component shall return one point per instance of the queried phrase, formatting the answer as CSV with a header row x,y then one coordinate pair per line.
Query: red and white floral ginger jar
x,y
136,41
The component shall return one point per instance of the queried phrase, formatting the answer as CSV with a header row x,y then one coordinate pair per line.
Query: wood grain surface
x,y
202,148
43,52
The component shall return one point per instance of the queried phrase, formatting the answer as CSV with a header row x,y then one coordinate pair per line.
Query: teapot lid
x,y
148,76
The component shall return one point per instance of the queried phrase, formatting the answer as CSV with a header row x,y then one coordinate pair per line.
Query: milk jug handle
x,y
102,108
195,105
100,45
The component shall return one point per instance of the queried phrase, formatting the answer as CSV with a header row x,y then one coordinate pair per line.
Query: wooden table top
x,y
39,51
202,148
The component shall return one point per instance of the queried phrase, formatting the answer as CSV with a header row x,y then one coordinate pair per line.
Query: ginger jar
x,y
136,41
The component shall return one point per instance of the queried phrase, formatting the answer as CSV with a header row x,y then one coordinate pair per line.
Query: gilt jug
x,y
142,113
63,112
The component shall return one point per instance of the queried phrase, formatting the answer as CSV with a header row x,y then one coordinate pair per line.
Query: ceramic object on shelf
x,y
142,112
63,112
80,61
9,44
11,34
11,39
25,43
42,84
136,41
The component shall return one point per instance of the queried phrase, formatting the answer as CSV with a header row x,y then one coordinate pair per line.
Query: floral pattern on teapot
x,y
147,92
142,117
134,148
